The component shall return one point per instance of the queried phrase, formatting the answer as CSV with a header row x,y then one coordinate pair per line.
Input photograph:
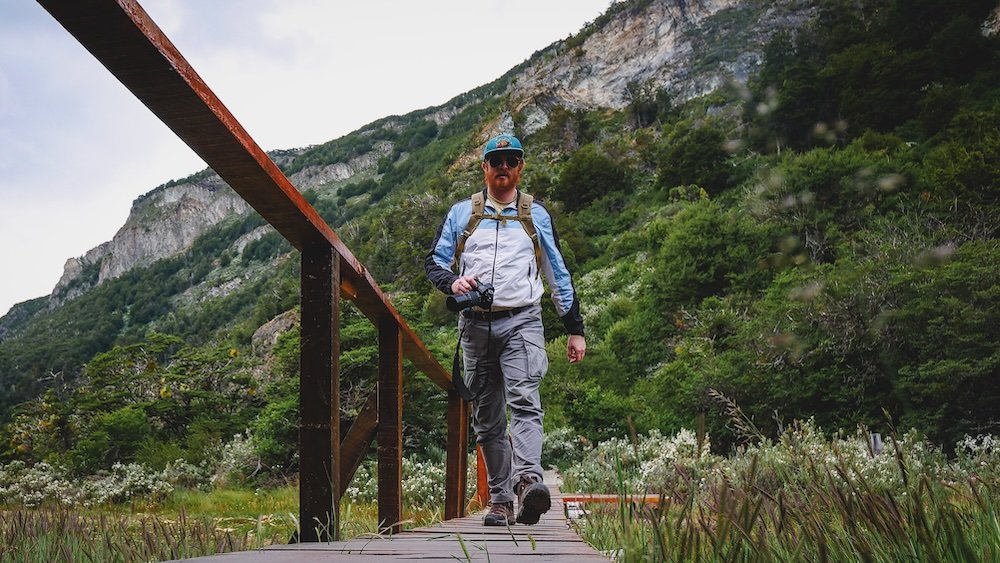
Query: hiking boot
x,y
500,514
532,500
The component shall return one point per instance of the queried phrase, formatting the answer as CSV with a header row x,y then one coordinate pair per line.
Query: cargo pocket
x,y
534,351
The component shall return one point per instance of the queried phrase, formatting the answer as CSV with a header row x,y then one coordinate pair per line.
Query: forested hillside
x,y
820,242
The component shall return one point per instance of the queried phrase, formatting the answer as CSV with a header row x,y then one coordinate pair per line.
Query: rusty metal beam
x,y
122,36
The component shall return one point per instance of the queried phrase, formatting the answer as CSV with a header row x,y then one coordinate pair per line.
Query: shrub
x,y
694,155
708,251
124,482
423,482
562,447
39,484
34,485
642,464
237,462
588,175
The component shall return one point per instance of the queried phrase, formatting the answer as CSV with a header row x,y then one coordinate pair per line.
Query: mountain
x,y
688,48
789,202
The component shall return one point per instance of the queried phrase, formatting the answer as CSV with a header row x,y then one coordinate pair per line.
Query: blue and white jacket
x,y
502,253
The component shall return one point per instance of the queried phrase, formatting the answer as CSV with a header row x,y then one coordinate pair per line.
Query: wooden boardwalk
x,y
462,539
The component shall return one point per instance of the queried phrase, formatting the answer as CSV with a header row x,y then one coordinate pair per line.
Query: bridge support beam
x,y
319,396
390,426
457,461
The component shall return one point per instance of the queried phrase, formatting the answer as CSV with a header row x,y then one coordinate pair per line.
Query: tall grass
x,y
825,520
803,500
186,524
62,534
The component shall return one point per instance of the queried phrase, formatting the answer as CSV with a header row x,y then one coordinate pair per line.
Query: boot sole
x,y
491,522
535,503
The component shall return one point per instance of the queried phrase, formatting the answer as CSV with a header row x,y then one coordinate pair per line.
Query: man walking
x,y
502,237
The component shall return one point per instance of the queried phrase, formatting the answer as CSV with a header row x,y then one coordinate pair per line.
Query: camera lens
x,y
458,302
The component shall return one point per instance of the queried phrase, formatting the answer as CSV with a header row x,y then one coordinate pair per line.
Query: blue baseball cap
x,y
503,142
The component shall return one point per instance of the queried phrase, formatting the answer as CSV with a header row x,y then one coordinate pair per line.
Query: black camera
x,y
481,296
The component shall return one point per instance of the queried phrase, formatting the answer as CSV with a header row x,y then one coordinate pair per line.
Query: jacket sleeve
x,y
556,273
437,264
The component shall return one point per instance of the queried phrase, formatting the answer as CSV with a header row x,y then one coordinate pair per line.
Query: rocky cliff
x,y
160,224
688,47
167,221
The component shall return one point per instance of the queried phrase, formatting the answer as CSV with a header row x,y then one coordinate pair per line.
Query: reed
x,y
63,534
186,524
826,508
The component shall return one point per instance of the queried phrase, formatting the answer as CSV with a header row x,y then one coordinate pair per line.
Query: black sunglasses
x,y
496,159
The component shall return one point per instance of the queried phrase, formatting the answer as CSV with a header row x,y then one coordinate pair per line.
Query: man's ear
x,y
483,164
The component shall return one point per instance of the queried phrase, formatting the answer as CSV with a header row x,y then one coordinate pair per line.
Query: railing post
x,y
482,481
390,425
457,457
319,396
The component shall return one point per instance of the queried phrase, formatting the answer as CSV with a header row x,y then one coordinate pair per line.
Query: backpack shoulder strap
x,y
478,211
524,216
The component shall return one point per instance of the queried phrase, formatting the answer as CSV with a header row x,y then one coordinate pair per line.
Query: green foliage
x,y
590,397
708,251
588,175
266,248
946,344
801,498
840,266
964,168
867,65
823,196
145,399
647,103
694,155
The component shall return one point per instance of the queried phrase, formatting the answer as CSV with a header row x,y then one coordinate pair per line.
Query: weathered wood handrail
x,y
122,36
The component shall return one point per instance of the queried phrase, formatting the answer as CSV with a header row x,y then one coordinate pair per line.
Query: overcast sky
x,y
76,147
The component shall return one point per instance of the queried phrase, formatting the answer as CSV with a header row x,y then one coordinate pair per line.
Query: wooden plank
x,y
319,396
359,437
457,457
122,36
390,425
463,539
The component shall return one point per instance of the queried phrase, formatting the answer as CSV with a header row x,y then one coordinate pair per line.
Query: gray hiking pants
x,y
513,350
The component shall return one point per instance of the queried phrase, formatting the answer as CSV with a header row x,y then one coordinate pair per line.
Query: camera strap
x,y
457,377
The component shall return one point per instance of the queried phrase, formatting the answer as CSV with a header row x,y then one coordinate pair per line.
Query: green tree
x,y
707,251
112,436
694,155
588,175
944,344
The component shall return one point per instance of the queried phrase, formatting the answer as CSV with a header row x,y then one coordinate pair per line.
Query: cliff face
x,y
161,224
688,47
168,220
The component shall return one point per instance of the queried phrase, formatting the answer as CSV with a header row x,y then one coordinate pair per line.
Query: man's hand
x,y
576,348
463,284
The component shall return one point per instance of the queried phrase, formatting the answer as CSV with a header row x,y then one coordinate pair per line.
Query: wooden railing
x,y
122,36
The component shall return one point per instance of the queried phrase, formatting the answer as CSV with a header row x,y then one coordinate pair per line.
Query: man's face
x,y
498,172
